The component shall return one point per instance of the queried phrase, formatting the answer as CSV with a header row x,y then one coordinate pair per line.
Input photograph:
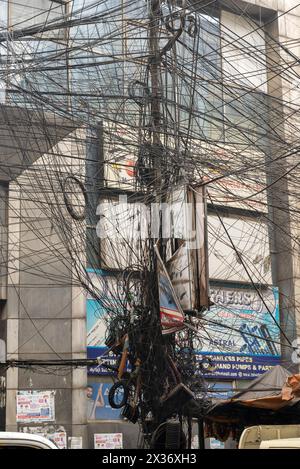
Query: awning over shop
x,y
272,398
275,391
272,390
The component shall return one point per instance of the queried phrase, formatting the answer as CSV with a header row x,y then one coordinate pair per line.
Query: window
x,y
244,80
246,117
37,62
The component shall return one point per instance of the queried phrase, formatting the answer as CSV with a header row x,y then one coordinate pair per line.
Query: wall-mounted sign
x,y
109,290
55,434
123,229
109,295
98,407
171,314
108,441
35,406
226,185
187,264
120,155
75,442
240,331
251,249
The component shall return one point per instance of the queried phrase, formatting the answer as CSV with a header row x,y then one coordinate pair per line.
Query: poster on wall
x,y
242,337
97,405
108,441
120,155
75,442
55,434
109,290
219,389
186,259
226,185
35,406
171,314
216,444
59,439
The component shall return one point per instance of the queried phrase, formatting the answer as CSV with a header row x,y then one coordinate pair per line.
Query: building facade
x,y
247,110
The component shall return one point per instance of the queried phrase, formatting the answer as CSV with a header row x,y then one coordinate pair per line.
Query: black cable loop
x,y
78,216
142,99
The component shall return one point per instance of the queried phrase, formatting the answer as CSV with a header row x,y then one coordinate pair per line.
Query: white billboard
x,y
238,249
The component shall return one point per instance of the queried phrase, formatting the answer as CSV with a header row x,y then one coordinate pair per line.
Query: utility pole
x,y
155,112
156,348
154,69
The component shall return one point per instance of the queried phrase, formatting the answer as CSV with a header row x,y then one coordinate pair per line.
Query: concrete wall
x,y
45,311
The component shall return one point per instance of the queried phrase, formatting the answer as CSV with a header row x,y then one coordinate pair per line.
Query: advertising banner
x,y
120,155
251,248
219,389
108,441
228,185
187,266
96,329
98,407
241,335
75,442
109,295
109,290
56,435
171,314
35,406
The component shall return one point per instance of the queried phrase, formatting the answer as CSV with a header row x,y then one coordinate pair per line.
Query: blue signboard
x,y
98,407
236,366
219,390
110,294
107,290
106,358
241,336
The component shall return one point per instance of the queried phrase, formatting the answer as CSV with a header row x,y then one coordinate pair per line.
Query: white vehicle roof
x,y
253,436
286,443
25,439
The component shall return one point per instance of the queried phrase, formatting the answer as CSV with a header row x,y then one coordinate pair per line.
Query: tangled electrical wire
x,y
152,97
